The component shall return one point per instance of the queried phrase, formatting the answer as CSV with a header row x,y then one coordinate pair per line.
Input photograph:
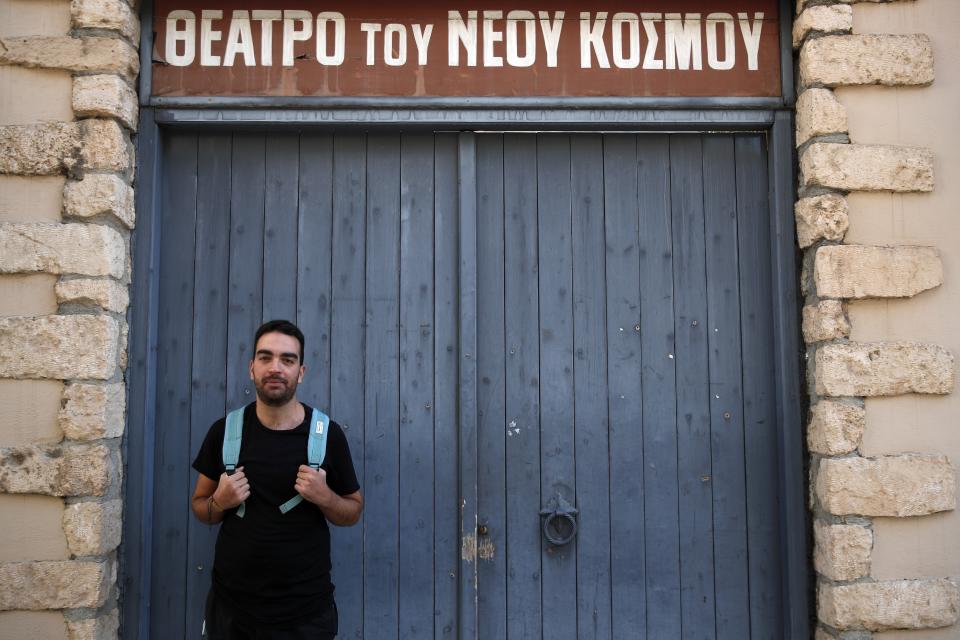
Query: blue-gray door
x,y
623,363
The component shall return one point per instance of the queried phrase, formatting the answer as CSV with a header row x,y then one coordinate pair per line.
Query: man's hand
x,y
232,490
312,485
211,498
340,510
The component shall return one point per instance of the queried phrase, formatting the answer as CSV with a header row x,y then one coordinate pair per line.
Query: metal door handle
x,y
563,516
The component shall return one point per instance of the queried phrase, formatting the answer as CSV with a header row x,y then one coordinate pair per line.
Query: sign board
x,y
544,48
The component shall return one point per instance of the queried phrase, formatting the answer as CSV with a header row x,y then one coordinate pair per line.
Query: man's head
x,y
277,365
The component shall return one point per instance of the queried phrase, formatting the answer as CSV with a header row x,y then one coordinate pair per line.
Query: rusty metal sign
x,y
546,48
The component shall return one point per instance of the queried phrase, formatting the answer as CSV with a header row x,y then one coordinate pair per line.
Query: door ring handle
x,y
564,516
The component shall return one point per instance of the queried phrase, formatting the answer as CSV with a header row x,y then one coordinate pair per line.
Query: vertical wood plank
x,y
524,607
491,416
466,358
590,388
693,404
347,348
209,382
625,400
246,264
314,264
726,394
759,399
658,382
280,226
172,465
558,463
446,491
416,386
381,478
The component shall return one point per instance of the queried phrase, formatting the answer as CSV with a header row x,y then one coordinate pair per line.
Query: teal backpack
x,y
316,449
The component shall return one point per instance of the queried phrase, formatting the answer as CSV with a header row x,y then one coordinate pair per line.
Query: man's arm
x,y
342,511
211,499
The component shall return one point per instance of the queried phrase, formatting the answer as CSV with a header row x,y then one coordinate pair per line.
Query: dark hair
x,y
279,326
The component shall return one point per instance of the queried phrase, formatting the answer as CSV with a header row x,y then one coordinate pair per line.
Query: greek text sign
x,y
547,48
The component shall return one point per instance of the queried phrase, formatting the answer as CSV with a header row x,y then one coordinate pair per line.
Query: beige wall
x,y
924,117
927,117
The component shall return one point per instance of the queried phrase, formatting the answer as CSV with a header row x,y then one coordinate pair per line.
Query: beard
x,y
275,396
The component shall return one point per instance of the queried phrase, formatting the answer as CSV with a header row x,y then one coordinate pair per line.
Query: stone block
x,y
883,369
99,194
39,149
847,60
835,428
867,167
65,584
103,627
105,293
822,19
82,249
823,217
93,411
895,486
107,96
855,271
880,606
113,15
93,528
825,320
75,347
842,551
105,146
75,470
819,113
104,55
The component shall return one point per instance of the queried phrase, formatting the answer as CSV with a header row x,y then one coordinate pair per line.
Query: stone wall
x,y
67,113
854,489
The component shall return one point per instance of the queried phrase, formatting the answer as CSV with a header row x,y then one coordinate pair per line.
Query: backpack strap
x,y
316,450
232,437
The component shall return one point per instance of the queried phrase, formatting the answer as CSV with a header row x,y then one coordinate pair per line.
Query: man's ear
x,y
251,369
303,369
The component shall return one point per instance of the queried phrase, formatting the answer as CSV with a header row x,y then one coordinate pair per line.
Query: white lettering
x,y
551,35
751,37
632,22
395,53
240,40
422,38
266,20
339,37
187,36
490,38
291,34
653,40
681,40
466,35
514,59
591,37
208,36
371,29
725,22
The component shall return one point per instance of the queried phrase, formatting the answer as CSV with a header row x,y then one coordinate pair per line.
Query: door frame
x,y
773,116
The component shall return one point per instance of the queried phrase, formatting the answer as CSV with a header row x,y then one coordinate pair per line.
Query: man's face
x,y
276,369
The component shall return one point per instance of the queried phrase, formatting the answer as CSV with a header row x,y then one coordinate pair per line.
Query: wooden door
x,y
500,321
625,365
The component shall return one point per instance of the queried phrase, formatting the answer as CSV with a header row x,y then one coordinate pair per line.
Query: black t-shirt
x,y
271,566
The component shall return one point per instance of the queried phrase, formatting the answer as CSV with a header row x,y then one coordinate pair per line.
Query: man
x,y
271,570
